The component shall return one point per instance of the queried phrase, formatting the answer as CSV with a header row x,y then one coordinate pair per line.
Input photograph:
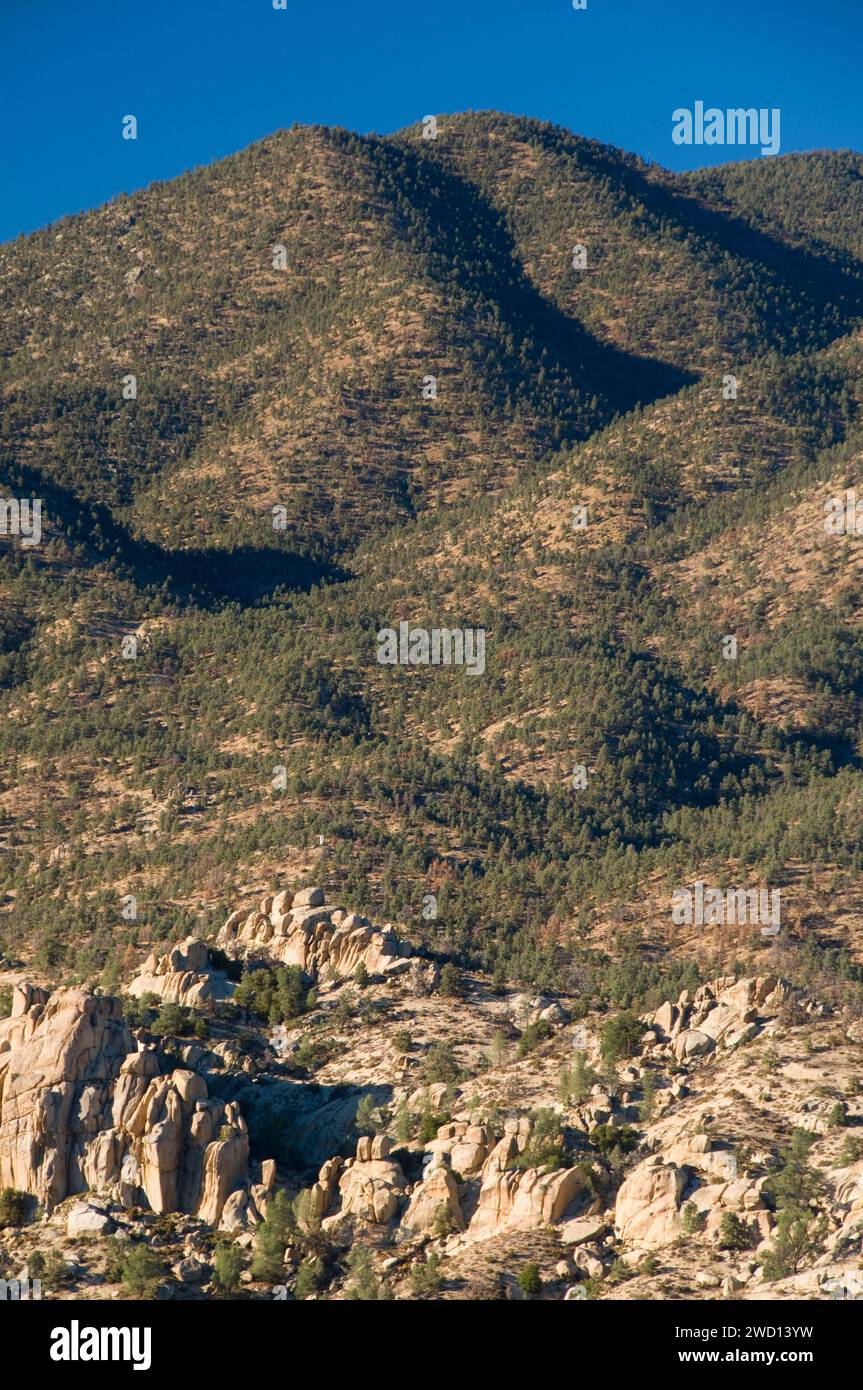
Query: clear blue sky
x,y
206,77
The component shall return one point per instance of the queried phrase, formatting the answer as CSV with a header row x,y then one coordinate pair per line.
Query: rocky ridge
x,y
108,1126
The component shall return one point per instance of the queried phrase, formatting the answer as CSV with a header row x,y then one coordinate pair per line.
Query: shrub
x,y
796,1183
139,1011
55,1272
607,1138
442,1226
404,1124
346,1009
310,1052
430,1123
305,1209
798,1238
545,1146
440,1064
619,1273
852,1150
581,1077
115,1248
499,1050
276,994
14,1207
173,1020
361,976
310,1277
647,1108
529,1280
452,982
426,1279
366,1120
692,1220
533,1035
228,1265
141,1270
272,1239
734,1234
363,1284
620,1037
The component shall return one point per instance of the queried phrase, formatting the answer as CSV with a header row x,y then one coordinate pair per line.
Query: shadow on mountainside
x,y
450,226
210,577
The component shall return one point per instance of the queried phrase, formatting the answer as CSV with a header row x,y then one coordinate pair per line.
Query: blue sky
x,y
206,77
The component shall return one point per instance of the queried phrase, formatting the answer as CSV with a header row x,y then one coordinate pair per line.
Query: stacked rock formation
x,y
182,975
314,936
723,1013
496,1197
81,1109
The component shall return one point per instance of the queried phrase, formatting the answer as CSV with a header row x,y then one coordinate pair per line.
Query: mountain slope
x,y
254,733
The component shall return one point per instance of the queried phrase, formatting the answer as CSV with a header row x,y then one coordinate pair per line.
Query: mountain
x,y
375,385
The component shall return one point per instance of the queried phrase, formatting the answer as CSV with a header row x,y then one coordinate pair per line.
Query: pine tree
x,y
228,1265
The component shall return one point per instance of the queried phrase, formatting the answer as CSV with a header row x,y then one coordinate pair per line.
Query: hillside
x,y
192,708
402,1131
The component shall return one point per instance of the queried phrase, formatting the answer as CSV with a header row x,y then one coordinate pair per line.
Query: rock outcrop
x,y
467,1146
372,1188
182,975
313,936
647,1212
522,1199
721,1014
82,1110
126,1128
369,1187
59,1060
434,1203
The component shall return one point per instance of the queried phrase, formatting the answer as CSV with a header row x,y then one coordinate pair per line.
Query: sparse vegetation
x,y
256,650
